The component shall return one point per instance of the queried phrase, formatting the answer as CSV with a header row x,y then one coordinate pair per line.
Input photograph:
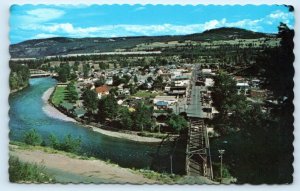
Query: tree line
x,y
19,76
259,145
138,119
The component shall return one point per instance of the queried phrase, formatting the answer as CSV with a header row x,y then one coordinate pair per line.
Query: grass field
x,y
145,94
58,95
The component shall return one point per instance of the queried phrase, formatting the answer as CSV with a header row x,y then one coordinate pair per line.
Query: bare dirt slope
x,y
77,170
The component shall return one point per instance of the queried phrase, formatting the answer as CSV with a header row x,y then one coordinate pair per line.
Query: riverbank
x,y
17,90
71,168
127,136
53,112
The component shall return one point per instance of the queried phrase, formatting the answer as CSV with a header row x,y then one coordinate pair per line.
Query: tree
x,y
224,89
102,65
100,82
125,118
107,108
54,143
135,79
113,92
117,80
69,144
32,138
72,94
177,122
126,78
132,89
19,75
149,79
76,66
143,117
264,141
63,72
90,100
86,70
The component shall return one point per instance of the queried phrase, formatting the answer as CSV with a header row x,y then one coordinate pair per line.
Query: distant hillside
x,y
62,45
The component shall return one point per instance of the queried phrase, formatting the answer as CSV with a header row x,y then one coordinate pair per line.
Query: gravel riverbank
x,y
52,111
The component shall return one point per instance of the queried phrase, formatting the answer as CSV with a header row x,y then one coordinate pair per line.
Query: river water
x,y
26,113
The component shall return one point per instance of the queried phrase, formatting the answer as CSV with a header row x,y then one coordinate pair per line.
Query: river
x,y
26,113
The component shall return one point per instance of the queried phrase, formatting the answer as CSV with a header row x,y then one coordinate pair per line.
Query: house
x,y
258,93
206,71
181,80
109,81
168,99
178,91
255,83
209,82
167,88
161,105
102,90
242,87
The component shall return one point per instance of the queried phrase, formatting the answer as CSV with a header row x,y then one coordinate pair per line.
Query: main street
x,y
194,97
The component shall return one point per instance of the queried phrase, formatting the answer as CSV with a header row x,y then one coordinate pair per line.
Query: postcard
x,y
151,94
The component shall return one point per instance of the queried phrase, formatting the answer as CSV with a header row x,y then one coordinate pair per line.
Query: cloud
x,y
34,17
67,29
280,16
45,14
44,35
50,29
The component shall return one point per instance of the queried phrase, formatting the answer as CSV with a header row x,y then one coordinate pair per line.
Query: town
x,y
202,96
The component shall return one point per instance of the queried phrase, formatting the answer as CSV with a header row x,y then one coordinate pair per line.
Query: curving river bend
x,y
26,113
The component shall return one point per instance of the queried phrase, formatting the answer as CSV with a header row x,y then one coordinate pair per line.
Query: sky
x,y
44,21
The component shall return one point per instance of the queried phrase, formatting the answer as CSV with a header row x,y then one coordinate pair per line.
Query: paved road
x,y
195,107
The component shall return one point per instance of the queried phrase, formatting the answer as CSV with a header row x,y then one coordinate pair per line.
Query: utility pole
x,y
171,159
221,152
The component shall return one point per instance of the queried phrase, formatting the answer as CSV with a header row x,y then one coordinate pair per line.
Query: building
x,y
181,80
178,91
206,71
209,82
161,105
168,99
258,93
242,87
109,81
102,90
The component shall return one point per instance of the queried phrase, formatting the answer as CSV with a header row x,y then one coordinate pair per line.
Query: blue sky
x,y
43,21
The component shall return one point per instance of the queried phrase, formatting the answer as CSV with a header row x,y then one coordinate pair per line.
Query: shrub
x,y
32,138
27,172
69,143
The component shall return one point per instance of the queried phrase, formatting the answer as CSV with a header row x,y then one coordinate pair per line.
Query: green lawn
x,y
145,94
58,95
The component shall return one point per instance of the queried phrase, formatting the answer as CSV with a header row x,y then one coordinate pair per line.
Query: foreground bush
x,y
32,138
27,172
69,144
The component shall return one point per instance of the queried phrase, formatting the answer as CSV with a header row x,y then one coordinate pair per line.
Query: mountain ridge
x,y
67,45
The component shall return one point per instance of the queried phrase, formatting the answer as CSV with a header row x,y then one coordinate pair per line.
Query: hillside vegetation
x,y
62,45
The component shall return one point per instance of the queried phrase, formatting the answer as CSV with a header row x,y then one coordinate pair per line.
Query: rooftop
x,y
161,103
102,89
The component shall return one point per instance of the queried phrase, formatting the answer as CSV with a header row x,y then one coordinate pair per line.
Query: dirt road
x,y
67,169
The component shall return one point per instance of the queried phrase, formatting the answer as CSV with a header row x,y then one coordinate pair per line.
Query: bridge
x,y
198,157
35,73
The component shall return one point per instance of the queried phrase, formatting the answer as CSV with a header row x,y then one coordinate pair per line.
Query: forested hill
x,y
62,45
